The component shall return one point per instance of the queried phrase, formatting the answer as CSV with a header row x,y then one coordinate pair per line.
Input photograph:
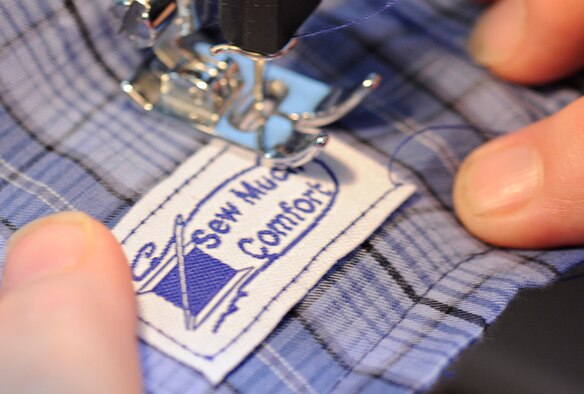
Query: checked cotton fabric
x,y
387,318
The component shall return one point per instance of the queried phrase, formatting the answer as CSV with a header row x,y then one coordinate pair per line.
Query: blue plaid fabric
x,y
387,318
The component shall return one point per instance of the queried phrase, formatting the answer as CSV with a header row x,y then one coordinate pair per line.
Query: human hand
x,y
526,189
67,311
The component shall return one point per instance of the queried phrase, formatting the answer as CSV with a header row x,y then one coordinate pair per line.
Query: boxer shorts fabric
x,y
387,318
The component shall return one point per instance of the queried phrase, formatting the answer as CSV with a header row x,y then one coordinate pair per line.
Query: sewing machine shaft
x,y
263,26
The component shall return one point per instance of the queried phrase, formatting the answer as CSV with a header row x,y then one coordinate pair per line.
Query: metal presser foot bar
x,y
226,90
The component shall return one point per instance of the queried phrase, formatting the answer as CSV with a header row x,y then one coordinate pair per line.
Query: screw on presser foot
x,y
222,90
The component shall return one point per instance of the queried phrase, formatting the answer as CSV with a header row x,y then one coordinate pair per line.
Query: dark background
x,y
536,346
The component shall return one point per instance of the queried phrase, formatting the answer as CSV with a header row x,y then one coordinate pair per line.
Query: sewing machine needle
x,y
259,99
258,87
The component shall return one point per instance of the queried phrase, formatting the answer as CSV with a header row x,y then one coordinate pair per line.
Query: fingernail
x,y
499,33
46,246
499,180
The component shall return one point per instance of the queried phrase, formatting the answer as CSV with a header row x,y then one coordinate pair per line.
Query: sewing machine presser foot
x,y
228,93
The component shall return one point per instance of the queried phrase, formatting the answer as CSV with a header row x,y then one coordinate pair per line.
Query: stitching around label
x,y
282,291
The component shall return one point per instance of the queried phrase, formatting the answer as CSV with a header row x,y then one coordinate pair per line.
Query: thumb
x,y
67,312
531,41
526,189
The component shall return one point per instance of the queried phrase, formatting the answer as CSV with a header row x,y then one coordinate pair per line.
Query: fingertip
x,y
64,243
67,297
530,42
47,246
495,182
498,33
525,190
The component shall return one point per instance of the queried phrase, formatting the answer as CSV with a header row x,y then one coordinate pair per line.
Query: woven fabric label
x,y
223,248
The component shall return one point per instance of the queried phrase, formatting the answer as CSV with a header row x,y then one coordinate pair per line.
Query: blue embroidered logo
x,y
215,249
